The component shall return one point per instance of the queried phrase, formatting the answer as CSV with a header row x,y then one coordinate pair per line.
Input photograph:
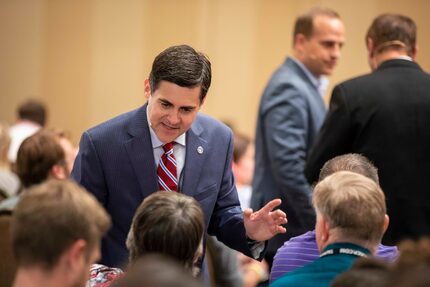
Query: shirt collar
x,y
320,83
154,139
405,57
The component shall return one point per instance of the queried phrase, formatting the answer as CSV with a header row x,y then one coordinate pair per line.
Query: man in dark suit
x,y
290,115
385,116
167,145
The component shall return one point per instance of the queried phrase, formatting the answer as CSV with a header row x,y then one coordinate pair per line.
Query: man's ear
x,y
73,259
414,52
370,47
147,89
386,222
325,230
58,171
299,41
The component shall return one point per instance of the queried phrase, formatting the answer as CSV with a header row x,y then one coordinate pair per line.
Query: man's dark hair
x,y
183,66
168,223
305,23
393,31
36,156
34,111
350,162
51,216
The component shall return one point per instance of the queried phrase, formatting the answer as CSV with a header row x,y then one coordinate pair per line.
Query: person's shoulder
x,y
298,277
205,123
118,124
287,73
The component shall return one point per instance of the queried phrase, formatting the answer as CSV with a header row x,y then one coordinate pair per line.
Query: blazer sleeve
x,y
335,136
227,218
87,170
286,127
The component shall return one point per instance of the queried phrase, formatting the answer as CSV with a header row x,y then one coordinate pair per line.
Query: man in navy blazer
x,y
290,115
118,159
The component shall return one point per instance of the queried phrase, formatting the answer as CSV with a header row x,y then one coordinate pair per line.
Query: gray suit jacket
x,y
116,164
290,115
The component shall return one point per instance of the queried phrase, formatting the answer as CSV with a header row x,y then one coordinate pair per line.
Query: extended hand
x,y
264,223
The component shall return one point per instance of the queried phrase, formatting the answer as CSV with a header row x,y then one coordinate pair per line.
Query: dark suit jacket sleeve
x,y
334,137
286,127
87,170
227,218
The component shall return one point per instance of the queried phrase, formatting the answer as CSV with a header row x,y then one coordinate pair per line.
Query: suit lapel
x,y
197,151
140,152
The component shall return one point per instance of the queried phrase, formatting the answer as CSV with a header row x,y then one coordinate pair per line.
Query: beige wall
x,y
87,59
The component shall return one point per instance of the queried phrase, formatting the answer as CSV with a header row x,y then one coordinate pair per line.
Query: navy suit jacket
x,y
290,115
116,164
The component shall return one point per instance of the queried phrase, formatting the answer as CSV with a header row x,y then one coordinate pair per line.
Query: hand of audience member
x,y
264,223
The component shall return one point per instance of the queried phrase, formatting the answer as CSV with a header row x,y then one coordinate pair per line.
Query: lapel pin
x,y
199,149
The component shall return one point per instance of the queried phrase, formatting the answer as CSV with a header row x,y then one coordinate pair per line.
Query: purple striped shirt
x,y
302,250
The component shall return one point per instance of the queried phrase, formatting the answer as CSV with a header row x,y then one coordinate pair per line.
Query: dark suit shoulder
x,y
206,124
118,125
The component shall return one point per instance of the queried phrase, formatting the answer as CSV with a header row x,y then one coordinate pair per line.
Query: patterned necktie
x,y
167,169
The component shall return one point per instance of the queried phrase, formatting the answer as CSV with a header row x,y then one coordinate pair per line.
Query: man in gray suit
x,y
290,114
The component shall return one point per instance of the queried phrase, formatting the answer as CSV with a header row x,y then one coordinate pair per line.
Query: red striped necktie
x,y
167,169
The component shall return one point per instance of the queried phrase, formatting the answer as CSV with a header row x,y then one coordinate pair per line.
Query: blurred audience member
x,y
365,272
40,157
302,250
413,267
290,114
351,219
157,271
31,116
9,182
167,223
243,167
56,232
70,151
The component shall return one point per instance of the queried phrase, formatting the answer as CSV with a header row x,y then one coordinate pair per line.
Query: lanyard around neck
x,y
349,251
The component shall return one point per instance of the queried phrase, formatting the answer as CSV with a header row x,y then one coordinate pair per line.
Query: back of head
x,y
350,162
52,216
393,31
33,110
412,268
183,66
36,157
169,223
305,23
365,272
156,271
353,206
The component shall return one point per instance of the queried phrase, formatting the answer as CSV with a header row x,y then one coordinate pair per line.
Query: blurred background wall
x,y
87,59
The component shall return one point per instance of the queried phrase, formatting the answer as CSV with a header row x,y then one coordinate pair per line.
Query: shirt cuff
x,y
257,247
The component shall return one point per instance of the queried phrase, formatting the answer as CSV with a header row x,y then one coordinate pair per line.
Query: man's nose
x,y
174,117
335,54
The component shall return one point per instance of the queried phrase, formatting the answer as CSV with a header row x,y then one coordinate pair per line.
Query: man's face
x,y
321,51
244,169
172,109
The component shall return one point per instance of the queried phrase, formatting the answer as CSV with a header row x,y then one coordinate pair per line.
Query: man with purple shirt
x,y
302,250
